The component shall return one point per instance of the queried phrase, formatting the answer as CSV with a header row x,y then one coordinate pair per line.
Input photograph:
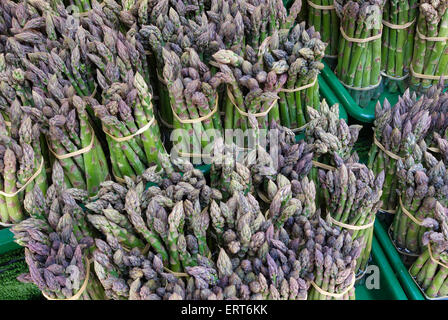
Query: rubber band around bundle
x,y
319,7
350,226
34,176
80,291
374,86
335,295
390,154
391,211
433,149
300,128
116,177
200,119
75,153
166,124
384,74
129,137
243,113
423,37
322,165
309,85
410,216
425,76
399,250
361,40
398,26
331,56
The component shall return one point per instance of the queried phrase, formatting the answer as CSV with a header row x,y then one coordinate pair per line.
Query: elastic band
x,y
398,26
243,113
423,37
331,56
406,212
359,40
200,119
384,74
318,7
300,128
34,176
126,138
75,153
349,226
433,149
309,85
323,165
6,225
362,88
390,154
81,290
434,259
425,76
334,295
388,211
166,124
177,274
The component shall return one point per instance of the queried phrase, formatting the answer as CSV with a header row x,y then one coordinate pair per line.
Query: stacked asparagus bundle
x,y
393,127
70,135
422,182
359,55
194,102
429,60
321,15
137,276
430,270
56,240
352,195
399,17
21,164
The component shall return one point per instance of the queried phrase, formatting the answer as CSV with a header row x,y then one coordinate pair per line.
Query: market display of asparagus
x,y
399,21
430,269
359,55
430,58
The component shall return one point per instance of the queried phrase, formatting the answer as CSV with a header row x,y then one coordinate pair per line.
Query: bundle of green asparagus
x,y
69,134
22,164
399,17
352,196
430,59
321,15
430,270
359,55
136,276
57,240
393,127
423,180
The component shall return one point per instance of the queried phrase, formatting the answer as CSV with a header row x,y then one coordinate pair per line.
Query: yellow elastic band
x,y
398,26
34,176
434,259
335,295
425,76
75,153
126,138
406,212
243,113
177,274
318,7
323,165
359,40
200,119
81,290
423,37
309,85
350,226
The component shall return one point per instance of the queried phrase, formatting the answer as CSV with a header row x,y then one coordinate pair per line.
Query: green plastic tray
x,y
7,241
401,272
389,287
353,109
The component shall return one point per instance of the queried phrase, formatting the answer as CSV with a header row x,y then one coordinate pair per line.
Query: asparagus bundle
x,y
359,55
70,135
193,100
422,182
399,17
300,50
57,240
22,165
352,196
429,60
430,269
137,276
393,127
321,15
